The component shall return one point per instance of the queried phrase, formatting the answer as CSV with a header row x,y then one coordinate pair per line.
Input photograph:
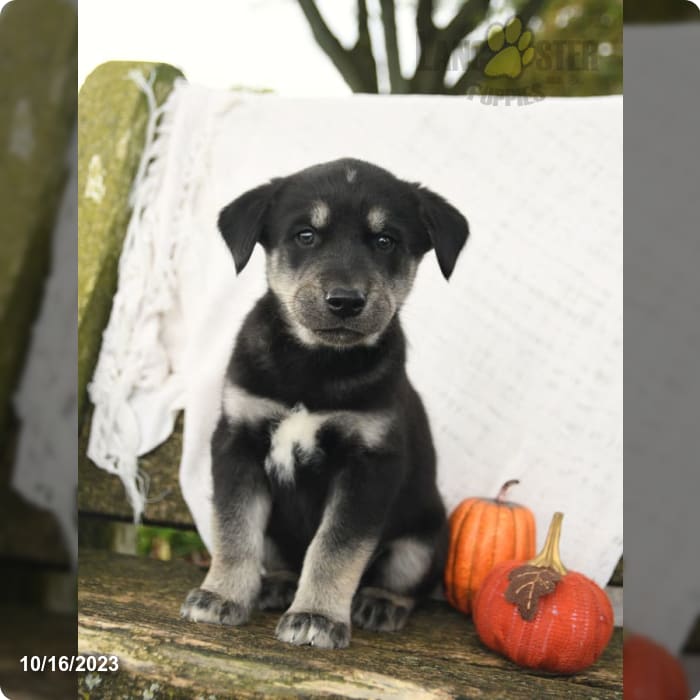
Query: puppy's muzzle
x,y
345,303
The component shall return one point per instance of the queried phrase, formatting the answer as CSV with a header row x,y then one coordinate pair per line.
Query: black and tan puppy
x,y
323,465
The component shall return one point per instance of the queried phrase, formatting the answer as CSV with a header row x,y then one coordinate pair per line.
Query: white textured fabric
x,y
518,358
136,388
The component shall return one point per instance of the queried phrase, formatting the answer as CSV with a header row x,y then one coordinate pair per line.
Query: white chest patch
x,y
294,439
294,433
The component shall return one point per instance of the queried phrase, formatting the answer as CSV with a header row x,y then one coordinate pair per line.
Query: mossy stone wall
x,y
112,117
38,73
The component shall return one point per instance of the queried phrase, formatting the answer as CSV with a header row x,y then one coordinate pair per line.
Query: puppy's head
x,y
343,241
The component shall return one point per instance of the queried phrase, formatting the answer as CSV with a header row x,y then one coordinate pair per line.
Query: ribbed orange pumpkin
x,y
570,619
484,532
650,672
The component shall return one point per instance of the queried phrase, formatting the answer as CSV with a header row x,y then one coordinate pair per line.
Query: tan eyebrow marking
x,y
376,218
320,214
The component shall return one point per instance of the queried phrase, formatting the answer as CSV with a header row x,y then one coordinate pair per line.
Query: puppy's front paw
x,y
205,606
380,611
313,629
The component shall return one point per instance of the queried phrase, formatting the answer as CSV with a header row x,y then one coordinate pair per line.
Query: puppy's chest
x,y
295,443
296,433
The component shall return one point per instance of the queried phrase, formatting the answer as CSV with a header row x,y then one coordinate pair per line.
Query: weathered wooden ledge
x,y
129,606
30,631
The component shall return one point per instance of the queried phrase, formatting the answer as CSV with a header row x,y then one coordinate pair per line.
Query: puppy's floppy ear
x,y
242,222
447,228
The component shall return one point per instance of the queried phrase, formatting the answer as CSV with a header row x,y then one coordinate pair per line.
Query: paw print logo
x,y
512,48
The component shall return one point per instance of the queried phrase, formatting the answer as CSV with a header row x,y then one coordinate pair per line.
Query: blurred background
x,y
38,271
328,48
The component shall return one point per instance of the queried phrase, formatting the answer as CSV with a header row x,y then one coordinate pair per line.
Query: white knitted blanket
x,y
526,384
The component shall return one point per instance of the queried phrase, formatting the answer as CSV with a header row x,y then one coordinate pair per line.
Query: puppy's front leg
x,y
241,510
333,566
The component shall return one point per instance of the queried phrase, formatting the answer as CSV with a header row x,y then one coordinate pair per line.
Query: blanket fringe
x,y
132,357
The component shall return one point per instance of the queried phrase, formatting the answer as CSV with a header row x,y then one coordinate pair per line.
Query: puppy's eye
x,y
384,243
306,238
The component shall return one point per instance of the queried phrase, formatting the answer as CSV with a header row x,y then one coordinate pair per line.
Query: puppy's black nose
x,y
346,302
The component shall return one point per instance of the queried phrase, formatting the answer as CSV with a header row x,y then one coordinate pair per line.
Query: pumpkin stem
x,y
502,493
549,556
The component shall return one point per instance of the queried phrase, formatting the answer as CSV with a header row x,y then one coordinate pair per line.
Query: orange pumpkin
x,y
542,616
483,532
650,672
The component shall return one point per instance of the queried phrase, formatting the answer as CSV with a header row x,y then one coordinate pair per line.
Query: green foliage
x,y
169,543
661,11
576,49
578,52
